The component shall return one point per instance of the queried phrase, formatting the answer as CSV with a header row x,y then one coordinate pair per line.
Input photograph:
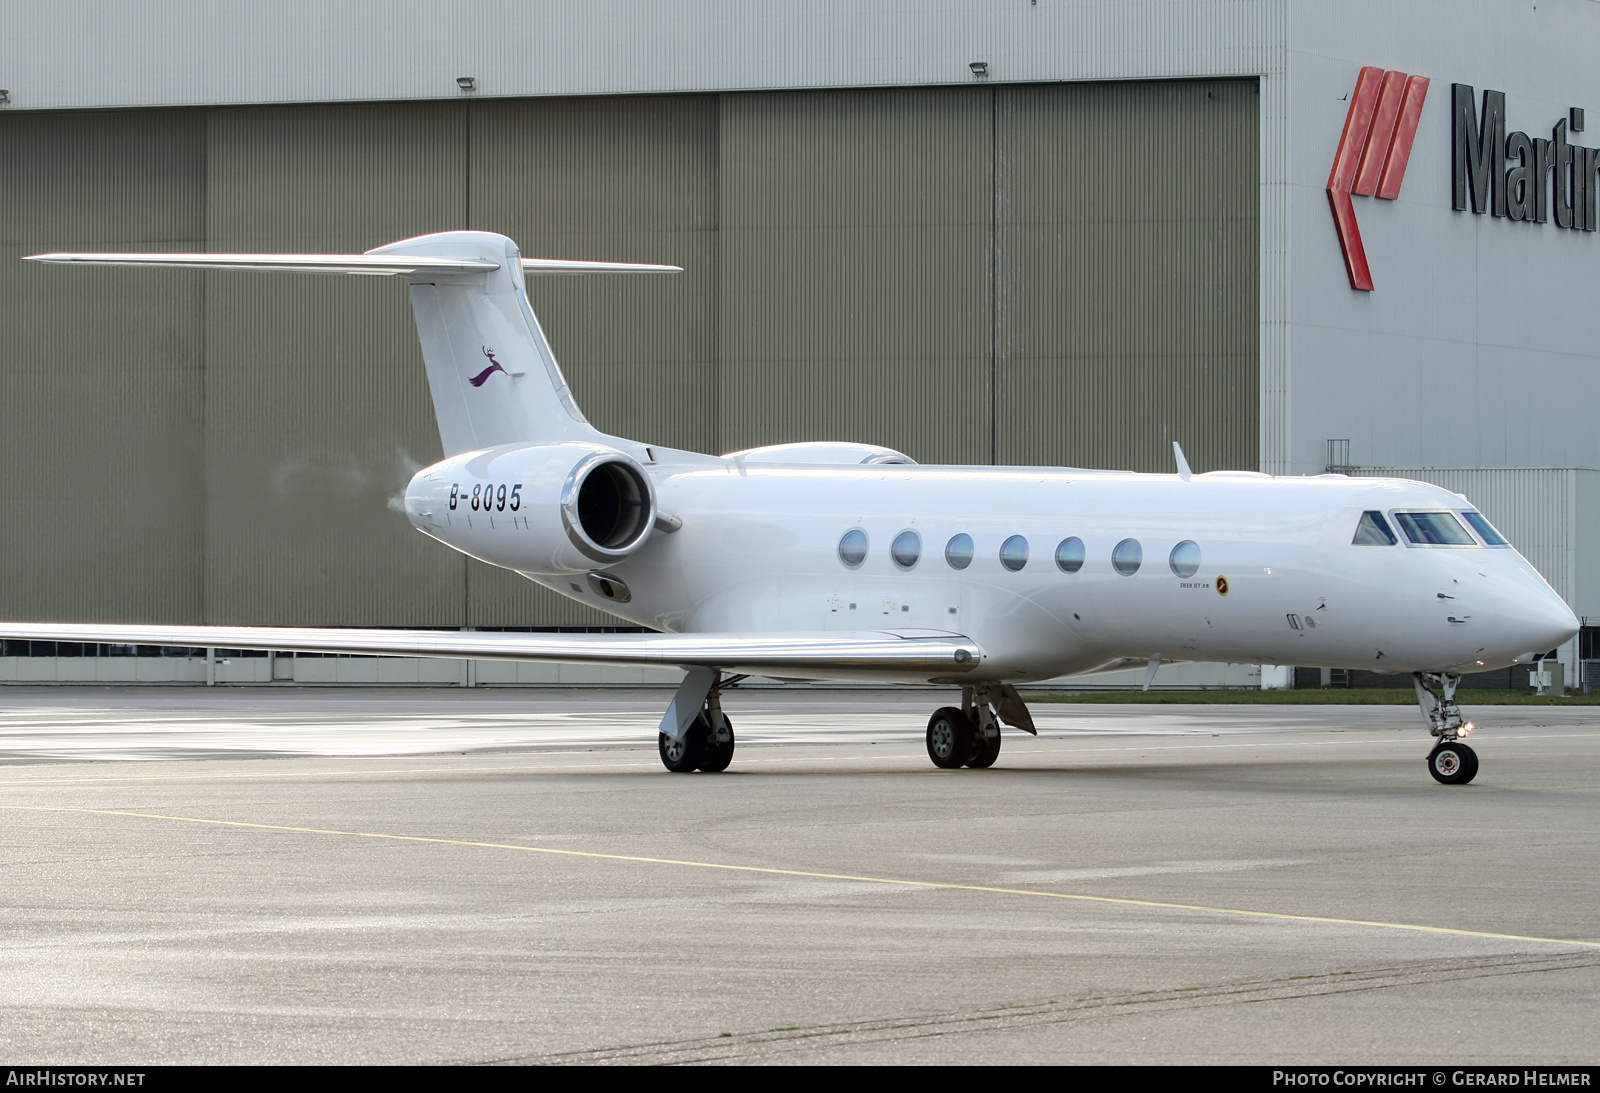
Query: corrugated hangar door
x,y
316,414
1035,274
102,379
1125,274
1056,274
855,241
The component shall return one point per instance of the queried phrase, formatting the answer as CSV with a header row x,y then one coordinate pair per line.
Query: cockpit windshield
x,y
1485,530
1373,531
1434,529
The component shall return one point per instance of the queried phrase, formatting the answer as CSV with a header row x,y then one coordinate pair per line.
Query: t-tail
x,y
492,374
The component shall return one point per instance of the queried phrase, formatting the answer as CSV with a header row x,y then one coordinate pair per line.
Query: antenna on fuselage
x,y
1183,464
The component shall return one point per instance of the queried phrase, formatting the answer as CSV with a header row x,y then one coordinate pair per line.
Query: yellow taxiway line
x,y
808,874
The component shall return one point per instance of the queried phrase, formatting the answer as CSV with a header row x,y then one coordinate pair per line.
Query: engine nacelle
x,y
552,508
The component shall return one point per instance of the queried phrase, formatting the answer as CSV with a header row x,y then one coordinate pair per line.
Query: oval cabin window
x,y
1070,555
1185,559
1127,557
906,549
958,551
1014,553
853,548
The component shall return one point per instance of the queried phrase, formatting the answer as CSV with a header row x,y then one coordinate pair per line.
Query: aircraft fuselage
x,y
1270,575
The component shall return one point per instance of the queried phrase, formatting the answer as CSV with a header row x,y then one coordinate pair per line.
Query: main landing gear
x,y
969,735
1450,761
707,743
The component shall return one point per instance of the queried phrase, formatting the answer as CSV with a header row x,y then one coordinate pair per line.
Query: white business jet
x,y
850,561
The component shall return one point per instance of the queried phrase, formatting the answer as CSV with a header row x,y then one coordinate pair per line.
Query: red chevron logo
x,y
1373,152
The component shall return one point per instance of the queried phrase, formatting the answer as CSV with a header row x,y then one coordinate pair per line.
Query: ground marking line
x,y
610,749
770,871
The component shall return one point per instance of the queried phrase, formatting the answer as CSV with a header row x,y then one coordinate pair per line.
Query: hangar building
x,y
1294,235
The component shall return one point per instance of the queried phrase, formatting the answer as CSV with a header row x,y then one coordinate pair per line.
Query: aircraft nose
x,y
1540,620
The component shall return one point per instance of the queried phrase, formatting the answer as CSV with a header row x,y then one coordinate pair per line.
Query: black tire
x,y
985,750
950,738
1453,764
683,756
718,753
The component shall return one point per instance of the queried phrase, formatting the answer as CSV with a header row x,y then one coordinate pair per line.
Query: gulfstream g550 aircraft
x,y
849,561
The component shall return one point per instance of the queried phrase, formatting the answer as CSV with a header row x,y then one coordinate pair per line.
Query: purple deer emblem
x,y
494,366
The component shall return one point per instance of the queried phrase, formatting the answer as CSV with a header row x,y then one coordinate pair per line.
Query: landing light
x,y
1465,730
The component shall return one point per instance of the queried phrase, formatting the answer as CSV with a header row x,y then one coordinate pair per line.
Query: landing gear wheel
x,y
950,738
718,753
986,749
683,756
1453,763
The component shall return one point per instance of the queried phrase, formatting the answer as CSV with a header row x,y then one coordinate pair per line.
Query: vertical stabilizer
x,y
493,377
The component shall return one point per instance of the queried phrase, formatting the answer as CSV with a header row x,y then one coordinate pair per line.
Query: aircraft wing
x,y
801,654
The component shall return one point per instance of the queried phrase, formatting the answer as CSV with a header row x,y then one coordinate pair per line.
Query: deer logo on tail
x,y
495,366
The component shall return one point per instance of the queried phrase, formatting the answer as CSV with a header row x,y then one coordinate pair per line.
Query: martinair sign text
x,y
1510,175
1528,179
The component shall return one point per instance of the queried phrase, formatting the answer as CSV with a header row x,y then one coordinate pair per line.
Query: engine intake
x,y
607,506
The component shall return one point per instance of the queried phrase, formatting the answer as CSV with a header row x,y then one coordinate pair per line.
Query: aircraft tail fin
x,y
492,374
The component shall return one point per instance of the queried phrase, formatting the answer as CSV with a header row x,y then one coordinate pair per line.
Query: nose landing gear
x,y
1450,762
969,735
1454,764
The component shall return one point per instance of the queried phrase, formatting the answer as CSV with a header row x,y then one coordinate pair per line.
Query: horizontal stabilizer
x,y
372,265
779,654
376,265
562,266
492,374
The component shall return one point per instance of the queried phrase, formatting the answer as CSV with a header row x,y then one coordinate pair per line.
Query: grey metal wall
x,y
84,54
1035,273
